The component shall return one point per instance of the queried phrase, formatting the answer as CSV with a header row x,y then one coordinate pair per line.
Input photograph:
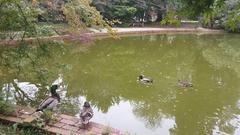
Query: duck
x,y
50,102
62,88
184,83
143,79
86,113
59,80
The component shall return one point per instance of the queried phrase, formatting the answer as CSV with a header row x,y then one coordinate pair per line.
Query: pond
x,y
105,73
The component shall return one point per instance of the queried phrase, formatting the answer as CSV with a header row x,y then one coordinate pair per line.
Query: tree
x,y
171,19
223,14
122,10
194,8
19,18
232,15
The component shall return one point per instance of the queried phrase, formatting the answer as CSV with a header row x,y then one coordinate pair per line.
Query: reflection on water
x,y
118,116
105,73
25,92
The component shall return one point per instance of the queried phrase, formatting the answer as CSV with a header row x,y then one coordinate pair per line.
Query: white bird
x,y
27,88
59,80
62,89
63,94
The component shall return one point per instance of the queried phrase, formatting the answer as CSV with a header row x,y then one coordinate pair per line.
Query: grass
x,y
14,129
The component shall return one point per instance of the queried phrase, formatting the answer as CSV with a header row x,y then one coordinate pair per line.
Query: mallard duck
x,y
86,114
62,88
50,102
143,79
183,83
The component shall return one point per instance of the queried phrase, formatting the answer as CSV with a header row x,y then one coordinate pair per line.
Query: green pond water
x,y
105,73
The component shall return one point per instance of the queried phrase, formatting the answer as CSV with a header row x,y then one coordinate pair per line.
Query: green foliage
x,y
214,13
47,115
223,14
18,16
45,30
16,130
80,14
233,19
208,19
51,11
171,19
5,107
124,13
128,11
194,8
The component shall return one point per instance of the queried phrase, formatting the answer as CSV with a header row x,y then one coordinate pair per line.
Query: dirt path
x,y
149,30
120,32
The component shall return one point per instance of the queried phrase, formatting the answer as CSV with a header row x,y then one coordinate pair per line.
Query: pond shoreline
x,y
120,32
150,30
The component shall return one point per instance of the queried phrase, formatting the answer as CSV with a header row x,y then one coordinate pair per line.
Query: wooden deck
x,y
65,125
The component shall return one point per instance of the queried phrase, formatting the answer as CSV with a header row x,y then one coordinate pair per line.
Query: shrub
x,y
171,19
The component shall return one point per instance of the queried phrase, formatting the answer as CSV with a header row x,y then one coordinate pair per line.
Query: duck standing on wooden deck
x,y
185,84
50,102
143,79
86,114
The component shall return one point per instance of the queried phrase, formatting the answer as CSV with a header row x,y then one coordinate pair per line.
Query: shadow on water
x,y
105,73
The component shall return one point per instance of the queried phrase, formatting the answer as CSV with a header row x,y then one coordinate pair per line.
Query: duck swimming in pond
x,y
50,102
185,84
143,79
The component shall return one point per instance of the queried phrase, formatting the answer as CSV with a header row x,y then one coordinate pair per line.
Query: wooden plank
x,y
59,131
67,117
66,125
11,119
29,119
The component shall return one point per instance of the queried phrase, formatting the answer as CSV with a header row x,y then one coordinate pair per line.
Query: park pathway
x,y
119,31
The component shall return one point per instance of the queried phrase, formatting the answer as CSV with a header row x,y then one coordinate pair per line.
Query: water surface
x,y
105,73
